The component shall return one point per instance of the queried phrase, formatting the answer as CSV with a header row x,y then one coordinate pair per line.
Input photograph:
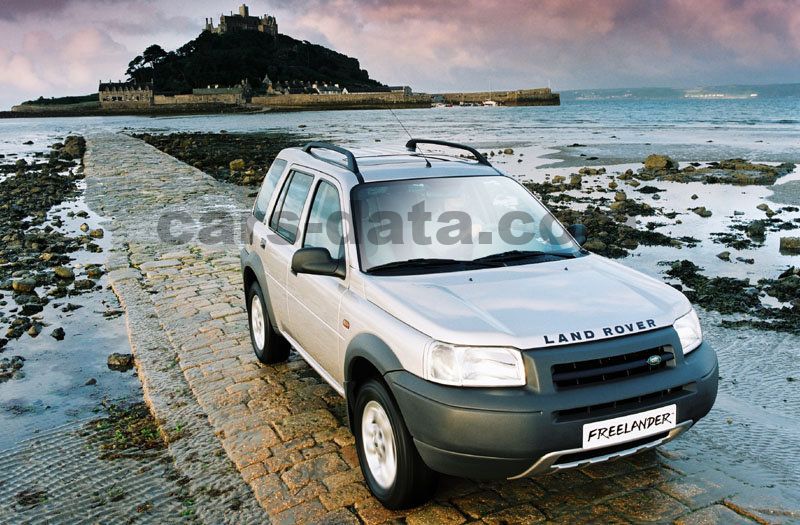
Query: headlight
x,y
689,332
473,365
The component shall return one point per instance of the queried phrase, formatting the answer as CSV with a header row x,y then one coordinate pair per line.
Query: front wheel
x,y
269,345
392,467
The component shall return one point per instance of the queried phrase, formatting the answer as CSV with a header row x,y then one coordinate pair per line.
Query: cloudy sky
x,y
57,47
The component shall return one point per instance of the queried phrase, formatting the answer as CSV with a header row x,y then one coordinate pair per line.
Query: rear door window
x,y
268,188
285,218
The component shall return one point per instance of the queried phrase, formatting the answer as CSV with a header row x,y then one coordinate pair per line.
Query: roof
x,y
384,164
105,86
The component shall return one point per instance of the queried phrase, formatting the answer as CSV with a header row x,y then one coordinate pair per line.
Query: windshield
x,y
454,219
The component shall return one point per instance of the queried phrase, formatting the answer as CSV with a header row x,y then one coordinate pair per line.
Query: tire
x,y
409,481
269,346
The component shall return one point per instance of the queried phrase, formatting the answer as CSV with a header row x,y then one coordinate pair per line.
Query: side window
x,y
268,188
286,215
324,228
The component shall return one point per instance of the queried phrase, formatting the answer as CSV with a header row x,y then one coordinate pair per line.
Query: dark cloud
x,y
15,10
446,44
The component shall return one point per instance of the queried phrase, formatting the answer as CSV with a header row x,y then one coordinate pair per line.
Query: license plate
x,y
629,428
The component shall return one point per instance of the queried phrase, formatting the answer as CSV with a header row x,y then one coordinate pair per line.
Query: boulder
x,y
25,285
96,233
756,230
790,244
73,147
702,211
57,334
62,272
120,362
84,284
659,162
725,256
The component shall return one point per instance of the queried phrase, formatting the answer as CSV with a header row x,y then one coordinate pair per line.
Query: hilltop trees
x,y
226,59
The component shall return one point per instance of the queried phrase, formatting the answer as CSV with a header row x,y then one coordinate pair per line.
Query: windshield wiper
x,y
428,263
515,255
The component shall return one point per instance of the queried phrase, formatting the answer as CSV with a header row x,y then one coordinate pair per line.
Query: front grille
x,y
630,404
582,373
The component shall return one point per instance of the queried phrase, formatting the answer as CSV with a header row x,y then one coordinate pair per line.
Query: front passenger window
x,y
324,228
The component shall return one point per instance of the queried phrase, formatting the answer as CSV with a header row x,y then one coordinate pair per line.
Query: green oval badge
x,y
654,360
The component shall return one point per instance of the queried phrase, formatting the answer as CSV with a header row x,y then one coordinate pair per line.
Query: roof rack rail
x,y
351,165
412,146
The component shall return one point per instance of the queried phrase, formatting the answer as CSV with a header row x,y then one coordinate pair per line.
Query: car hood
x,y
530,306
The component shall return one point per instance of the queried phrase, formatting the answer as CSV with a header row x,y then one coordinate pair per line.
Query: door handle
x,y
263,243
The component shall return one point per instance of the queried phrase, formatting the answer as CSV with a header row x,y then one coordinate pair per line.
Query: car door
x,y
277,241
314,300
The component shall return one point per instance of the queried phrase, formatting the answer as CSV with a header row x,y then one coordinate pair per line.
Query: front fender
x,y
374,350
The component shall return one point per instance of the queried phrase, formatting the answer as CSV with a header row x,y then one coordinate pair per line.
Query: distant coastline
x,y
300,102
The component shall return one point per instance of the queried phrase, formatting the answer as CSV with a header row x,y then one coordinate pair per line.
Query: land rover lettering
x,y
606,332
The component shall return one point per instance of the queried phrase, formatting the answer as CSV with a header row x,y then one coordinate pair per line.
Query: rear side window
x,y
286,215
268,188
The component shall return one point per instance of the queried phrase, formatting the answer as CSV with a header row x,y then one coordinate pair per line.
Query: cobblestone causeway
x,y
281,426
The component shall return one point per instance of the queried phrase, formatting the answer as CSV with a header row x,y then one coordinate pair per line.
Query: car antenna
x,y
427,162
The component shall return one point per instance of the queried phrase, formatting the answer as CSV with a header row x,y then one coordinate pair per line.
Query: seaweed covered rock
x,y
659,162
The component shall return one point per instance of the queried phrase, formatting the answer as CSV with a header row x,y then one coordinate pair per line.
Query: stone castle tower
x,y
242,21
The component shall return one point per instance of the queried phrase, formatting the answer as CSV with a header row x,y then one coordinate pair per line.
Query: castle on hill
x,y
243,22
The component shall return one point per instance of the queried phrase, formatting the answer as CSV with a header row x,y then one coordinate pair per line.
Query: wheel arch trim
x,y
369,348
252,263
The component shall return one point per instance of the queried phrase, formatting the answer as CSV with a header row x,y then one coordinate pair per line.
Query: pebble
x,y
58,334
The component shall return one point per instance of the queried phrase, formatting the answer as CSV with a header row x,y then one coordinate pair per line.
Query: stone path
x,y
269,443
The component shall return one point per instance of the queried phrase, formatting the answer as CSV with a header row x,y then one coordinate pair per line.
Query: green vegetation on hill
x,y
58,101
229,58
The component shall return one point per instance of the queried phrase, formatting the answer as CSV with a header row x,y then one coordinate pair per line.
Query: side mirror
x,y
579,233
317,261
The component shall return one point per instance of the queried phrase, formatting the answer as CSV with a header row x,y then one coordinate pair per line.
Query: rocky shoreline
x,y
35,254
57,319
238,158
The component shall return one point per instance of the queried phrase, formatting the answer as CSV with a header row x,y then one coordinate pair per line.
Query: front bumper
x,y
496,433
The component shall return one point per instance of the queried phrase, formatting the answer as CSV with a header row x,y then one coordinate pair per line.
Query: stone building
x,y
406,90
125,94
242,21
300,87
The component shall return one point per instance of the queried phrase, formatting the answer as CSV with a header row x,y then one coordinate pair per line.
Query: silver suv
x,y
467,329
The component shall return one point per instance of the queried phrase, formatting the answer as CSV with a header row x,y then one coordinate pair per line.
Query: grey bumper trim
x,y
548,461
